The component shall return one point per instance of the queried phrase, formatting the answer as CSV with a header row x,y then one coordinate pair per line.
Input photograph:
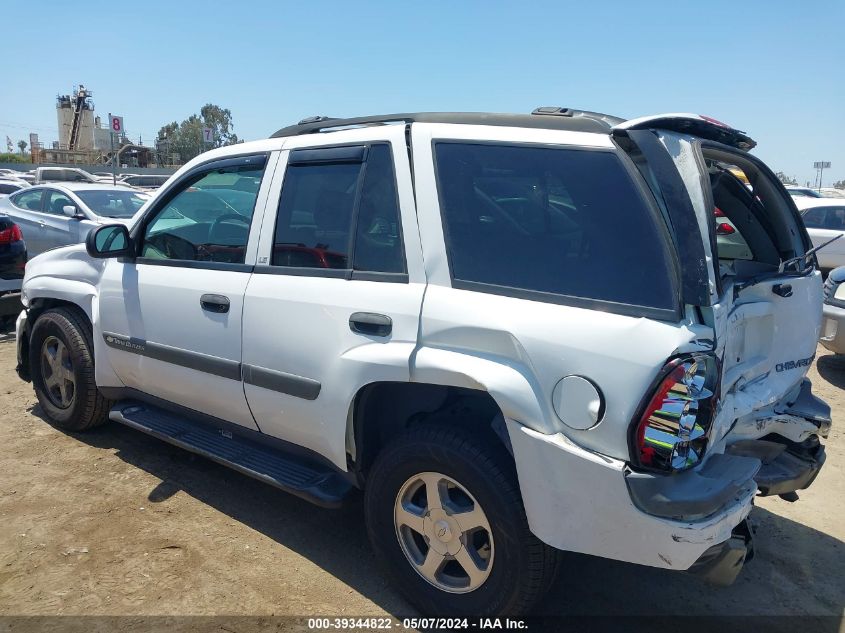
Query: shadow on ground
x,y
797,570
831,367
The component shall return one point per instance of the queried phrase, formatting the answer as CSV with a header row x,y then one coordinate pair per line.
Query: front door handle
x,y
215,303
371,324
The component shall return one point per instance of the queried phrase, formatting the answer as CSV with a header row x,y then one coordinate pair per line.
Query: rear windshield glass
x,y
112,203
550,220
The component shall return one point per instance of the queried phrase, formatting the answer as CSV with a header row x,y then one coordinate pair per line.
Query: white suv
x,y
516,333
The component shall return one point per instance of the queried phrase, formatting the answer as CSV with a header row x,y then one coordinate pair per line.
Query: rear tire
x,y
61,360
509,568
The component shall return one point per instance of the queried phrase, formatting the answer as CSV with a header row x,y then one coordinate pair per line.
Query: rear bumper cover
x,y
695,493
579,501
786,441
721,564
786,466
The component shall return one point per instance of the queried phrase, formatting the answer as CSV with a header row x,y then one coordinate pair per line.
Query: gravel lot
x,y
116,523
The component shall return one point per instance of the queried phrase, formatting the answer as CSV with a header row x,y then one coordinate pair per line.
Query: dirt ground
x,y
116,523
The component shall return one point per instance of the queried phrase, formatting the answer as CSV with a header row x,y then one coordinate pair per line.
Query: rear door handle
x,y
371,324
215,303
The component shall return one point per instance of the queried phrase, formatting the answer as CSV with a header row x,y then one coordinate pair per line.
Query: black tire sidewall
x,y
501,590
56,324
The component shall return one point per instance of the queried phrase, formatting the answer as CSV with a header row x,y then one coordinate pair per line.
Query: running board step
x,y
318,484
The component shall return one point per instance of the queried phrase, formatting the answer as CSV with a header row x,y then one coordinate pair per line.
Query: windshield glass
x,y
113,203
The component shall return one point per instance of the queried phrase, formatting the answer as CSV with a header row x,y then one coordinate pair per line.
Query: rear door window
x,y
342,215
814,218
829,218
56,202
555,224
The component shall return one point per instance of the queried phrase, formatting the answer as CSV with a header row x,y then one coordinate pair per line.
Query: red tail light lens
x,y
672,431
11,234
723,228
718,212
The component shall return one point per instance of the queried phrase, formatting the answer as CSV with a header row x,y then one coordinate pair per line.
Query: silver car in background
x,y
825,220
833,324
56,214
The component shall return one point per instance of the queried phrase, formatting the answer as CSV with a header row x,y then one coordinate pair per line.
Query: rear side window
x,y
342,215
4,188
564,222
30,200
830,218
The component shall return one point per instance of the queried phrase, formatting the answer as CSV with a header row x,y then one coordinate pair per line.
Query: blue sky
x,y
775,69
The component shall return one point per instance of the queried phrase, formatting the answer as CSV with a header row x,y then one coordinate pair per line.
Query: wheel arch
x,y
383,410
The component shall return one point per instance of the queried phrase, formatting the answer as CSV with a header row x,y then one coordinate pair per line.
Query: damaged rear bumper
x,y
580,501
786,466
786,441
721,564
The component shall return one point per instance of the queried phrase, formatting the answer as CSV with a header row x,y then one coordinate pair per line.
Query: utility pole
x,y
113,168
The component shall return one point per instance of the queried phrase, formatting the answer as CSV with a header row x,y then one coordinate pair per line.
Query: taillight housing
x,y
723,228
672,430
11,234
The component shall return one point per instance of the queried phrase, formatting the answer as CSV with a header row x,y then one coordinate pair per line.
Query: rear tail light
x,y
718,212
672,431
723,228
11,234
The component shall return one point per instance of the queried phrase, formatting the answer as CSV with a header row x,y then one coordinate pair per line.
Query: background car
x,y
10,173
10,185
12,255
66,174
831,192
62,214
149,182
833,323
825,219
802,192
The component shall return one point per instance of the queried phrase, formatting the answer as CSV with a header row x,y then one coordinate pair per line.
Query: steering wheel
x,y
237,217
170,247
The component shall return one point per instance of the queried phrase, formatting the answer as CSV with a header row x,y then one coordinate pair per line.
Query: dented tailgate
x,y
765,331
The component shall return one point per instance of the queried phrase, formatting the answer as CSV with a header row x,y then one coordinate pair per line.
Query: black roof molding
x,y
550,118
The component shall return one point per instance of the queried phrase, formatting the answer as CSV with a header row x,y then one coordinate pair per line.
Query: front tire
x,y
445,517
61,360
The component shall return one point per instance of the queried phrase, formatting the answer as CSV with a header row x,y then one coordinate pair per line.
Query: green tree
x,y
186,138
22,146
12,158
787,180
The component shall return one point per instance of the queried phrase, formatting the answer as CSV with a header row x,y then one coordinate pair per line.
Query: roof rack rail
x,y
554,118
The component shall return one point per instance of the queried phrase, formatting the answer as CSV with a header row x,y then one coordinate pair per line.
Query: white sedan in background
x,y
825,219
11,185
60,214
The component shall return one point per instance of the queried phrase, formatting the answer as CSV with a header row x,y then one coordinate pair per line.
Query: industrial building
x,y
83,139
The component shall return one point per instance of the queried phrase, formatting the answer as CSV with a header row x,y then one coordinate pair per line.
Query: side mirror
x,y
110,240
70,211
